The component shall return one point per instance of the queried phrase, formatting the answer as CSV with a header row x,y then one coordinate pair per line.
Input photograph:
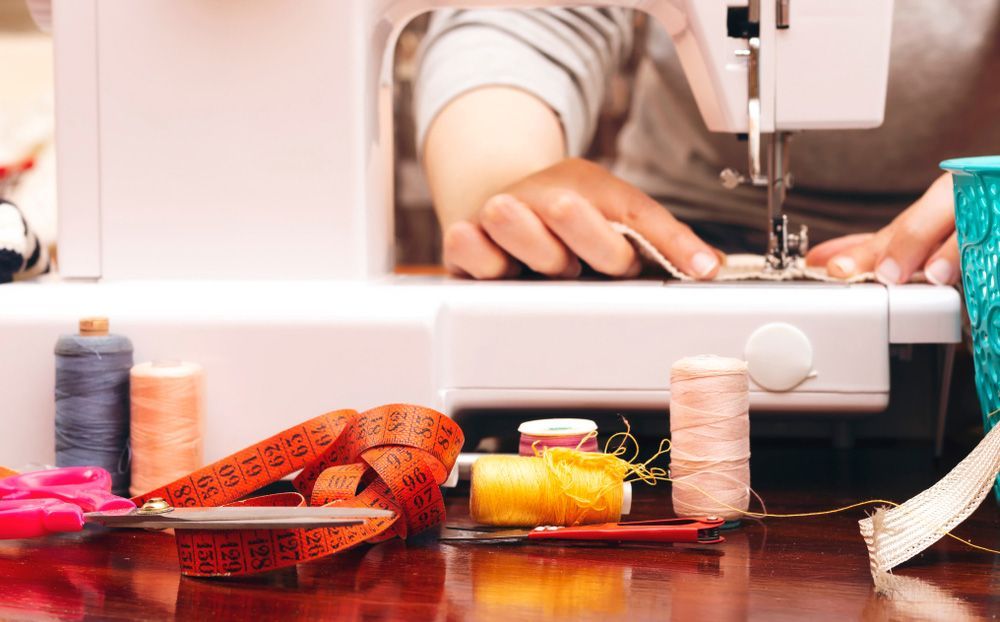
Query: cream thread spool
x,y
710,437
167,422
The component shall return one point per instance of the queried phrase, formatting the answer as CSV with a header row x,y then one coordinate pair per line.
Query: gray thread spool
x,y
92,400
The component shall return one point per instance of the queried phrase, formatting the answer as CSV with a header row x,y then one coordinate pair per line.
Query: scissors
x,y
64,499
703,531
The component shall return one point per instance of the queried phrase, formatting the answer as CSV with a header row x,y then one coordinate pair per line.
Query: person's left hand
x,y
922,237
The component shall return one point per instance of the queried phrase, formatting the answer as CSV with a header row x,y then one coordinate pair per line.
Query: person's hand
x,y
922,237
553,219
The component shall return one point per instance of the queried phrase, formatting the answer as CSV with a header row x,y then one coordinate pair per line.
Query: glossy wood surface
x,y
811,569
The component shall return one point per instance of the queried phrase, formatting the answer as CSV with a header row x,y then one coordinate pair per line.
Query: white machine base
x,y
276,353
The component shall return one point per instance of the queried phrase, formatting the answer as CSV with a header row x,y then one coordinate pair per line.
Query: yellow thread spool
x,y
560,487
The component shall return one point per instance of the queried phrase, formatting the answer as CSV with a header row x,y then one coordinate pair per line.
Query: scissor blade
x,y
157,522
239,517
248,512
461,535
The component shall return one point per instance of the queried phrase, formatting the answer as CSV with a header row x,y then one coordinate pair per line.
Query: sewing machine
x,y
225,194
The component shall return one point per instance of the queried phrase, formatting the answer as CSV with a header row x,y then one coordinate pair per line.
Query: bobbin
x,y
541,433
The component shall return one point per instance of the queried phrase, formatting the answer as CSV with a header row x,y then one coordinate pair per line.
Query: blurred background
x,y
26,122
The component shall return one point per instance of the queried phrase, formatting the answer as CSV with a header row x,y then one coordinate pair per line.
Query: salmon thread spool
x,y
167,422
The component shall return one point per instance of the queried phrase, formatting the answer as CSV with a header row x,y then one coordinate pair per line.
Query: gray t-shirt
x,y
943,101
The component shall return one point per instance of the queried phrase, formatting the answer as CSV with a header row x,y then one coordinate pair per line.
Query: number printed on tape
x,y
403,452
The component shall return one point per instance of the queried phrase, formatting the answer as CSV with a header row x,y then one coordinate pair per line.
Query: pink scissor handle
x,y
27,518
88,488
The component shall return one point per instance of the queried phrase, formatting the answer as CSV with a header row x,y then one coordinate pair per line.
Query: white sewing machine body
x,y
217,140
225,188
275,352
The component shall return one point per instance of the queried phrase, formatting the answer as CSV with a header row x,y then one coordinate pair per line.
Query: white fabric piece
x,y
22,255
740,267
12,234
897,534
35,194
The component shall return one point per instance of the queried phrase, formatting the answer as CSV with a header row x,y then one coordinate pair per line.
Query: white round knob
x,y
779,356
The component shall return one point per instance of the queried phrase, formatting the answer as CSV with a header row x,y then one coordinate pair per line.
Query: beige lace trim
x,y
894,535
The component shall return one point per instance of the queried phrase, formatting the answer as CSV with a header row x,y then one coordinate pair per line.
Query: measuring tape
x,y
393,457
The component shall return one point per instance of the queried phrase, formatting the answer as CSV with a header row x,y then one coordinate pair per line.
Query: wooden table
x,y
785,569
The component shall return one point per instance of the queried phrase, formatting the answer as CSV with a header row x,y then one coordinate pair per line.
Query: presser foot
x,y
785,250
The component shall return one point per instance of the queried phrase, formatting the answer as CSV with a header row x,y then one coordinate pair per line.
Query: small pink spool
x,y
557,433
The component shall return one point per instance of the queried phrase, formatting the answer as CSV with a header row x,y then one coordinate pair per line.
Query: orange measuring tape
x,y
393,457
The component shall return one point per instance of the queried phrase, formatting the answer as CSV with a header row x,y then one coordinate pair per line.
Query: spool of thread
x,y
710,437
561,487
92,400
542,433
167,422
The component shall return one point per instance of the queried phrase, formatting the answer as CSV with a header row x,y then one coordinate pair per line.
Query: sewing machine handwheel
x,y
779,356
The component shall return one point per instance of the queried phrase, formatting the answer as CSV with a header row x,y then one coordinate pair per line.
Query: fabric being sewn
x,y
741,267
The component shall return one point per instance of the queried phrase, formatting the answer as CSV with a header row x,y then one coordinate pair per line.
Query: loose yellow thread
x,y
557,486
657,474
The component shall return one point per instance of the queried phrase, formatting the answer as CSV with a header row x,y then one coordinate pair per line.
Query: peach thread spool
x,y
167,422
710,437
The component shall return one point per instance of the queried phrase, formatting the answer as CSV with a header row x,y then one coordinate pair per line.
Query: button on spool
x,y
779,356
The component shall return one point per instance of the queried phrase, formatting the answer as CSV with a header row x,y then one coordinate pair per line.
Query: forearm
x,y
484,141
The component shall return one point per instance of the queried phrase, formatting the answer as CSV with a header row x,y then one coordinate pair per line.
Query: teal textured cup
x,y
977,218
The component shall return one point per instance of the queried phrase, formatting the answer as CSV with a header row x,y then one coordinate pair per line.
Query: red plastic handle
x,y
27,518
640,531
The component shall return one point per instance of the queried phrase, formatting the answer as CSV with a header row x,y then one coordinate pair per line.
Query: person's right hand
x,y
553,219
